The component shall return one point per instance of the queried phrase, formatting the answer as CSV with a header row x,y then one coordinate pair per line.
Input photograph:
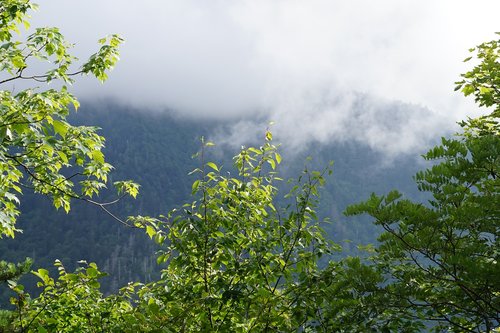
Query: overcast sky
x,y
304,64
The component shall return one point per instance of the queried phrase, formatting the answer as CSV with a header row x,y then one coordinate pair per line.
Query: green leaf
x,y
153,307
60,127
485,90
41,329
272,163
18,62
467,90
278,157
98,156
92,272
150,231
43,274
194,187
213,166
63,156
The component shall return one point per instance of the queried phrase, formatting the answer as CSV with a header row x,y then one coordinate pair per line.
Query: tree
x,y
39,149
237,258
483,81
236,261
439,262
71,303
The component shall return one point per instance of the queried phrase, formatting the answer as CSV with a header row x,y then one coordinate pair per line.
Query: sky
x,y
379,72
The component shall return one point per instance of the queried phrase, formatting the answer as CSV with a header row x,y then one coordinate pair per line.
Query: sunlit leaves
x,y
39,148
484,78
12,272
73,302
127,187
213,166
105,59
483,81
233,258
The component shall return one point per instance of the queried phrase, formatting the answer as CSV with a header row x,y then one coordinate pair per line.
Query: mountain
x,y
155,150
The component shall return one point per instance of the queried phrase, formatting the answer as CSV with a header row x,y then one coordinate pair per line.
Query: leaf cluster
x,y
39,148
439,260
236,262
234,259
71,303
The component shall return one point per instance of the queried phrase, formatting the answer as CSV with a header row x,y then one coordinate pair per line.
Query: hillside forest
x,y
210,238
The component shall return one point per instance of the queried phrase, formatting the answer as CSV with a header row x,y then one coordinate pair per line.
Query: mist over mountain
x,y
392,128
377,73
155,150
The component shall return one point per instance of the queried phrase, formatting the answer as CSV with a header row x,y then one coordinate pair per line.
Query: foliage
x,y
235,260
39,148
440,261
348,299
71,303
10,271
483,82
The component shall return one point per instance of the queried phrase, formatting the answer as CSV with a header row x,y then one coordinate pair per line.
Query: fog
x,y
379,72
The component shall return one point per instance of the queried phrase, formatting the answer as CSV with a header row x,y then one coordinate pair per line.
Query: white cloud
x,y
298,63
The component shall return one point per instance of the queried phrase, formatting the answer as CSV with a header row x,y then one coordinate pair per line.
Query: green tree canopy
x,y
440,260
235,259
39,148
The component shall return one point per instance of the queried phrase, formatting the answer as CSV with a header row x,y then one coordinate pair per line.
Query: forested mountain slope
x,y
155,150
